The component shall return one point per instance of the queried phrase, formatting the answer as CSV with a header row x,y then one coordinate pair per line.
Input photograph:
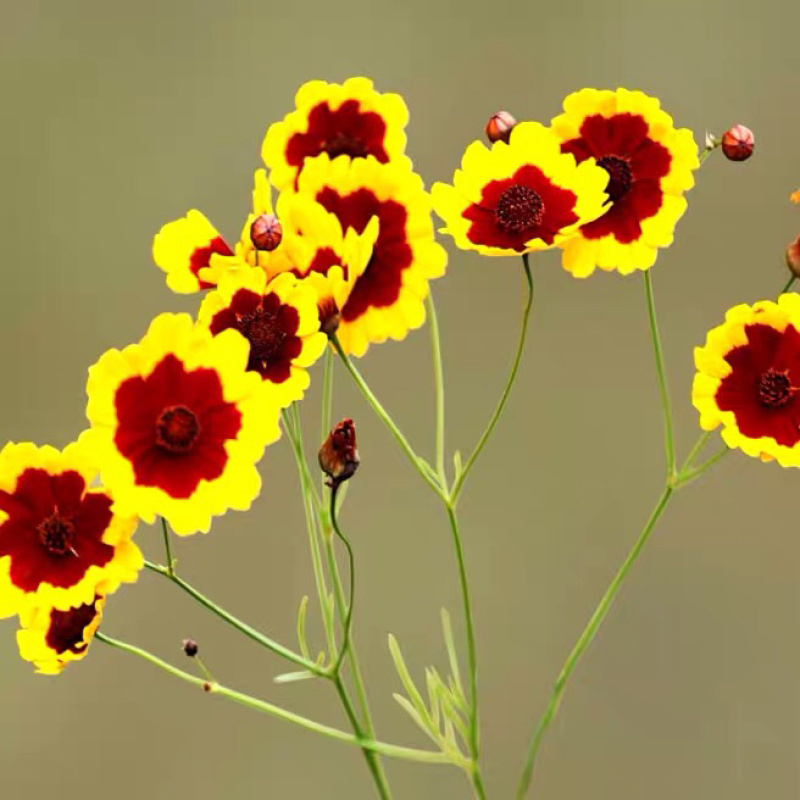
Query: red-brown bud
x,y
266,232
793,257
499,127
338,456
190,647
738,143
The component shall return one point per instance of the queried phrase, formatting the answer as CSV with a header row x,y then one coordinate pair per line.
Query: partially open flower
x,y
738,143
60,538
338,456
748,379
793,257
178,423
51,638
499,127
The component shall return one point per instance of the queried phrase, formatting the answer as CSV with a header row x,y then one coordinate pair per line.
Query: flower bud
x,y
793,257
266,232
190,647
738,143
499,127
338,456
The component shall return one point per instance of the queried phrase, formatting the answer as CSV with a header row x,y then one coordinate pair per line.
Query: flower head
x,y
648,165
59,538
521,196
738,143
748,379
51,638
279,321
499,127
387,297
351,119
179,424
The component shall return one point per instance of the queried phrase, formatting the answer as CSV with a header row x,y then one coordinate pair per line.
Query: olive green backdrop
x,y
117,117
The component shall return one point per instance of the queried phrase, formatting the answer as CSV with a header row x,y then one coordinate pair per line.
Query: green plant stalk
x,y
327,400
438,382
168,548
389,750
461,477
346,610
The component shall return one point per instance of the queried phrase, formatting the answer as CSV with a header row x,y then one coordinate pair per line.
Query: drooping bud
x,y
738,143
793,257
338,456
499,127
190,647
266,232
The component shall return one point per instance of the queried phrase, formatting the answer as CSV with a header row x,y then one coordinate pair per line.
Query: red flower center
x,y
65,633
263,330
177,428
343,143
774,389
56,534
519,209
620,176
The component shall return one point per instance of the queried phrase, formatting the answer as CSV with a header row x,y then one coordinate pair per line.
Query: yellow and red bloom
x,y
351,119
648,164
59,538
518,197
178,423
51,638
748,379
387,298
278,319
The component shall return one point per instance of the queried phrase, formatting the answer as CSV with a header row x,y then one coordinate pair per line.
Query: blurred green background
x,y
120,116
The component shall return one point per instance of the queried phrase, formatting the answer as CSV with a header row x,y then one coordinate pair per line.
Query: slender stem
x,y
427,474
695,451
348,609
168,548
391,750
460,478
242,627
474,737
706,152
327,399
688,475
586,639
438,377
669,436
789,284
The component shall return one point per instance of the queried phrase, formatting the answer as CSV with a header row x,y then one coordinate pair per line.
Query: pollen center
x,y
177,429
620,176
56,535
774,389
343,144
265,333
519,209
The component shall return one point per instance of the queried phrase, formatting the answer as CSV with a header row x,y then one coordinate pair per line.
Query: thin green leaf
x,y
418,720
457,463
433,681
293,677
452,655
301,626
405,677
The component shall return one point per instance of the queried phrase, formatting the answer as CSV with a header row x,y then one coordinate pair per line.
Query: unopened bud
x,y
190,647
266,232
338,456
738,143
499,127
711,141
793,257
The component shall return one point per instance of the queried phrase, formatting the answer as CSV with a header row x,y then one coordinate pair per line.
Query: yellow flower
x,y
350,119
748,379
51,638
387,298
279,321
194,254
59,538
795,197
518,197
649,165
178,423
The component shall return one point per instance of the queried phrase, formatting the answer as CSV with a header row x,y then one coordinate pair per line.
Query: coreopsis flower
x,y
178,423
51,638
649,165
195,255
278,319
323,256
748,379
387,298
60,538
518,197
351,119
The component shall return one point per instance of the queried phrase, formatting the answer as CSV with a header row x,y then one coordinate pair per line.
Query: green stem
x,y
426,472
789,284
695,451
474,737
390,750
461,477
327,399
242,627
167,547
669,437
687,475
438,377
585,640
348,608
